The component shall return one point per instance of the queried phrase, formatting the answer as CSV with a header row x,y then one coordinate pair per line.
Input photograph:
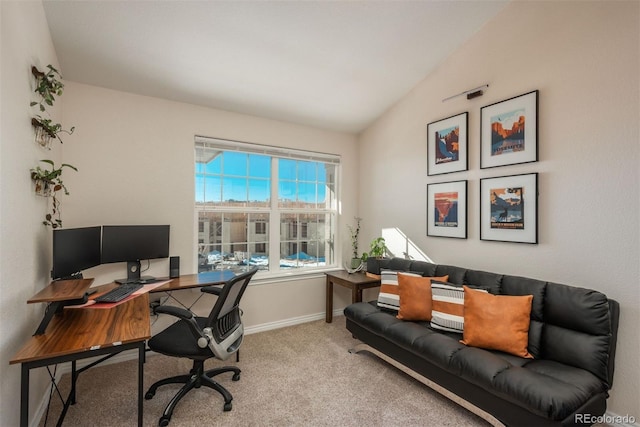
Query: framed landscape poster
x,y
447,145
509,208
447,209
509,131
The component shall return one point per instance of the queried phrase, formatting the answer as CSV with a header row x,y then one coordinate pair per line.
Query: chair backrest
x,y
225,317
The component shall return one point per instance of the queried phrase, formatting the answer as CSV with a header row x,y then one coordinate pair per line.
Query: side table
x,y
354,281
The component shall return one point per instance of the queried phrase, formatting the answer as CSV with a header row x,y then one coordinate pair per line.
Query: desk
x,y
82,333
354,281
195,280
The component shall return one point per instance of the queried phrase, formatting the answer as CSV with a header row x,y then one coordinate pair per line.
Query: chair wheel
x,y
228,406
236,377
149,395
164,421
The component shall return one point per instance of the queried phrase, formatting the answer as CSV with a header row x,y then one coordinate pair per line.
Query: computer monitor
x,y
132,243
74,250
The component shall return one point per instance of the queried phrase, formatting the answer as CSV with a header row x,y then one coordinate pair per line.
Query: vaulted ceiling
x,y
335,65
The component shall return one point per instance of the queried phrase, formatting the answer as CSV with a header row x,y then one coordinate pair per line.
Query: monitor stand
x,y
133,275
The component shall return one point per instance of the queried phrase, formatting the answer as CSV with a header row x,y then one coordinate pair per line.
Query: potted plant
x,y
48,86
377,250
46,130
356,261
47,183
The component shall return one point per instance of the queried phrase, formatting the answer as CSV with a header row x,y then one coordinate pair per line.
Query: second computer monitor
x,y
132,243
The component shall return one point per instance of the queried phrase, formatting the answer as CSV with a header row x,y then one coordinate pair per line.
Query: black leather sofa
x,y
572,337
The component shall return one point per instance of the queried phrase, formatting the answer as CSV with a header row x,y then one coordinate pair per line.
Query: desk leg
x,y
141,356
74,378
24,396
329,307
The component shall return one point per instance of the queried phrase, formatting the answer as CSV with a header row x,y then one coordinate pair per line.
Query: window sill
x,y
265,278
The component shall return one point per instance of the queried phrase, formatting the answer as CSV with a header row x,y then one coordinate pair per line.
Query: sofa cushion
x,y
448,307
497,322
415,297
577,328
546,388
514,285
388,297
479,366
481,279
456,274
438,349
427,268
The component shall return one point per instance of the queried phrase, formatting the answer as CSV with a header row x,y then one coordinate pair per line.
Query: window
x,y
265,206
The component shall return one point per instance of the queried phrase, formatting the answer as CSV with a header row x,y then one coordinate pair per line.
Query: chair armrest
x,y
174,311
188,317
215,290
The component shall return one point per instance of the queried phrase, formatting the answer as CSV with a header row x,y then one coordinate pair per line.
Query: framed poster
x,y
509,208
509,131
447,144
447,209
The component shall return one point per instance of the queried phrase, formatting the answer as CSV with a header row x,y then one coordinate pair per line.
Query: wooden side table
x,y
354,281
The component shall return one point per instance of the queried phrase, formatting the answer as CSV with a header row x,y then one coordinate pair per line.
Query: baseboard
x,y
289,322
65,368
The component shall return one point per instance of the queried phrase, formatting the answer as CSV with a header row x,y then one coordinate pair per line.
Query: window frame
x,y
273,210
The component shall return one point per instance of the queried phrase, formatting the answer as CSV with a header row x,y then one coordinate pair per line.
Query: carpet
x,y
301,375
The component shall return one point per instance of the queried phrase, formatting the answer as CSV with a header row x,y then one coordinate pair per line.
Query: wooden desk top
x,y
81,329
62,290
196,280
355,278
77,330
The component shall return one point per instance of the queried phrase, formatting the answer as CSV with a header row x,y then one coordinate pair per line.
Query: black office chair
x,y
200,338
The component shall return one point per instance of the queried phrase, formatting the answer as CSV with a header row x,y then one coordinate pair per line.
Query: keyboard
x,y
119,293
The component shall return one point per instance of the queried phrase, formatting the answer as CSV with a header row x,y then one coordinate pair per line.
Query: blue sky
x,y
231,175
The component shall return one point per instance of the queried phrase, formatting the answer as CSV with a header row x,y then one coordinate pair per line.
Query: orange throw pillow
x,y
415,297
497,322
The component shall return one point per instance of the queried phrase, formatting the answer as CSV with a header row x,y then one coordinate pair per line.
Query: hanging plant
x,y
46,130
48,86
47,183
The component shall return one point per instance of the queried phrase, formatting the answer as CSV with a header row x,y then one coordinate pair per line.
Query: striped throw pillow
x,y
388,297
447,312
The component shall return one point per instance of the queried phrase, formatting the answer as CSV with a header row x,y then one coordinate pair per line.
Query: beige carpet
x,y
297,376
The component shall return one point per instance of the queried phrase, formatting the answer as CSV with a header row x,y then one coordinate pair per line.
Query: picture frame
x,y
509,208
447,145
509,131
447,209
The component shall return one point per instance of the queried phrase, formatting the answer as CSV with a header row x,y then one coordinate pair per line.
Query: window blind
x,y
207,147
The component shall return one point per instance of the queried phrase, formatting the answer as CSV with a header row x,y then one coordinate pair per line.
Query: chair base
x,y
196,378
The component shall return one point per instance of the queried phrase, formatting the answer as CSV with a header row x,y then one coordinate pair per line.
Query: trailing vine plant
x,y
50,129
48,86
48,182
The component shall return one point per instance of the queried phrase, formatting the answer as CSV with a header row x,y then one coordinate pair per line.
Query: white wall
x,y
136,160
583,58
135,156
25,244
